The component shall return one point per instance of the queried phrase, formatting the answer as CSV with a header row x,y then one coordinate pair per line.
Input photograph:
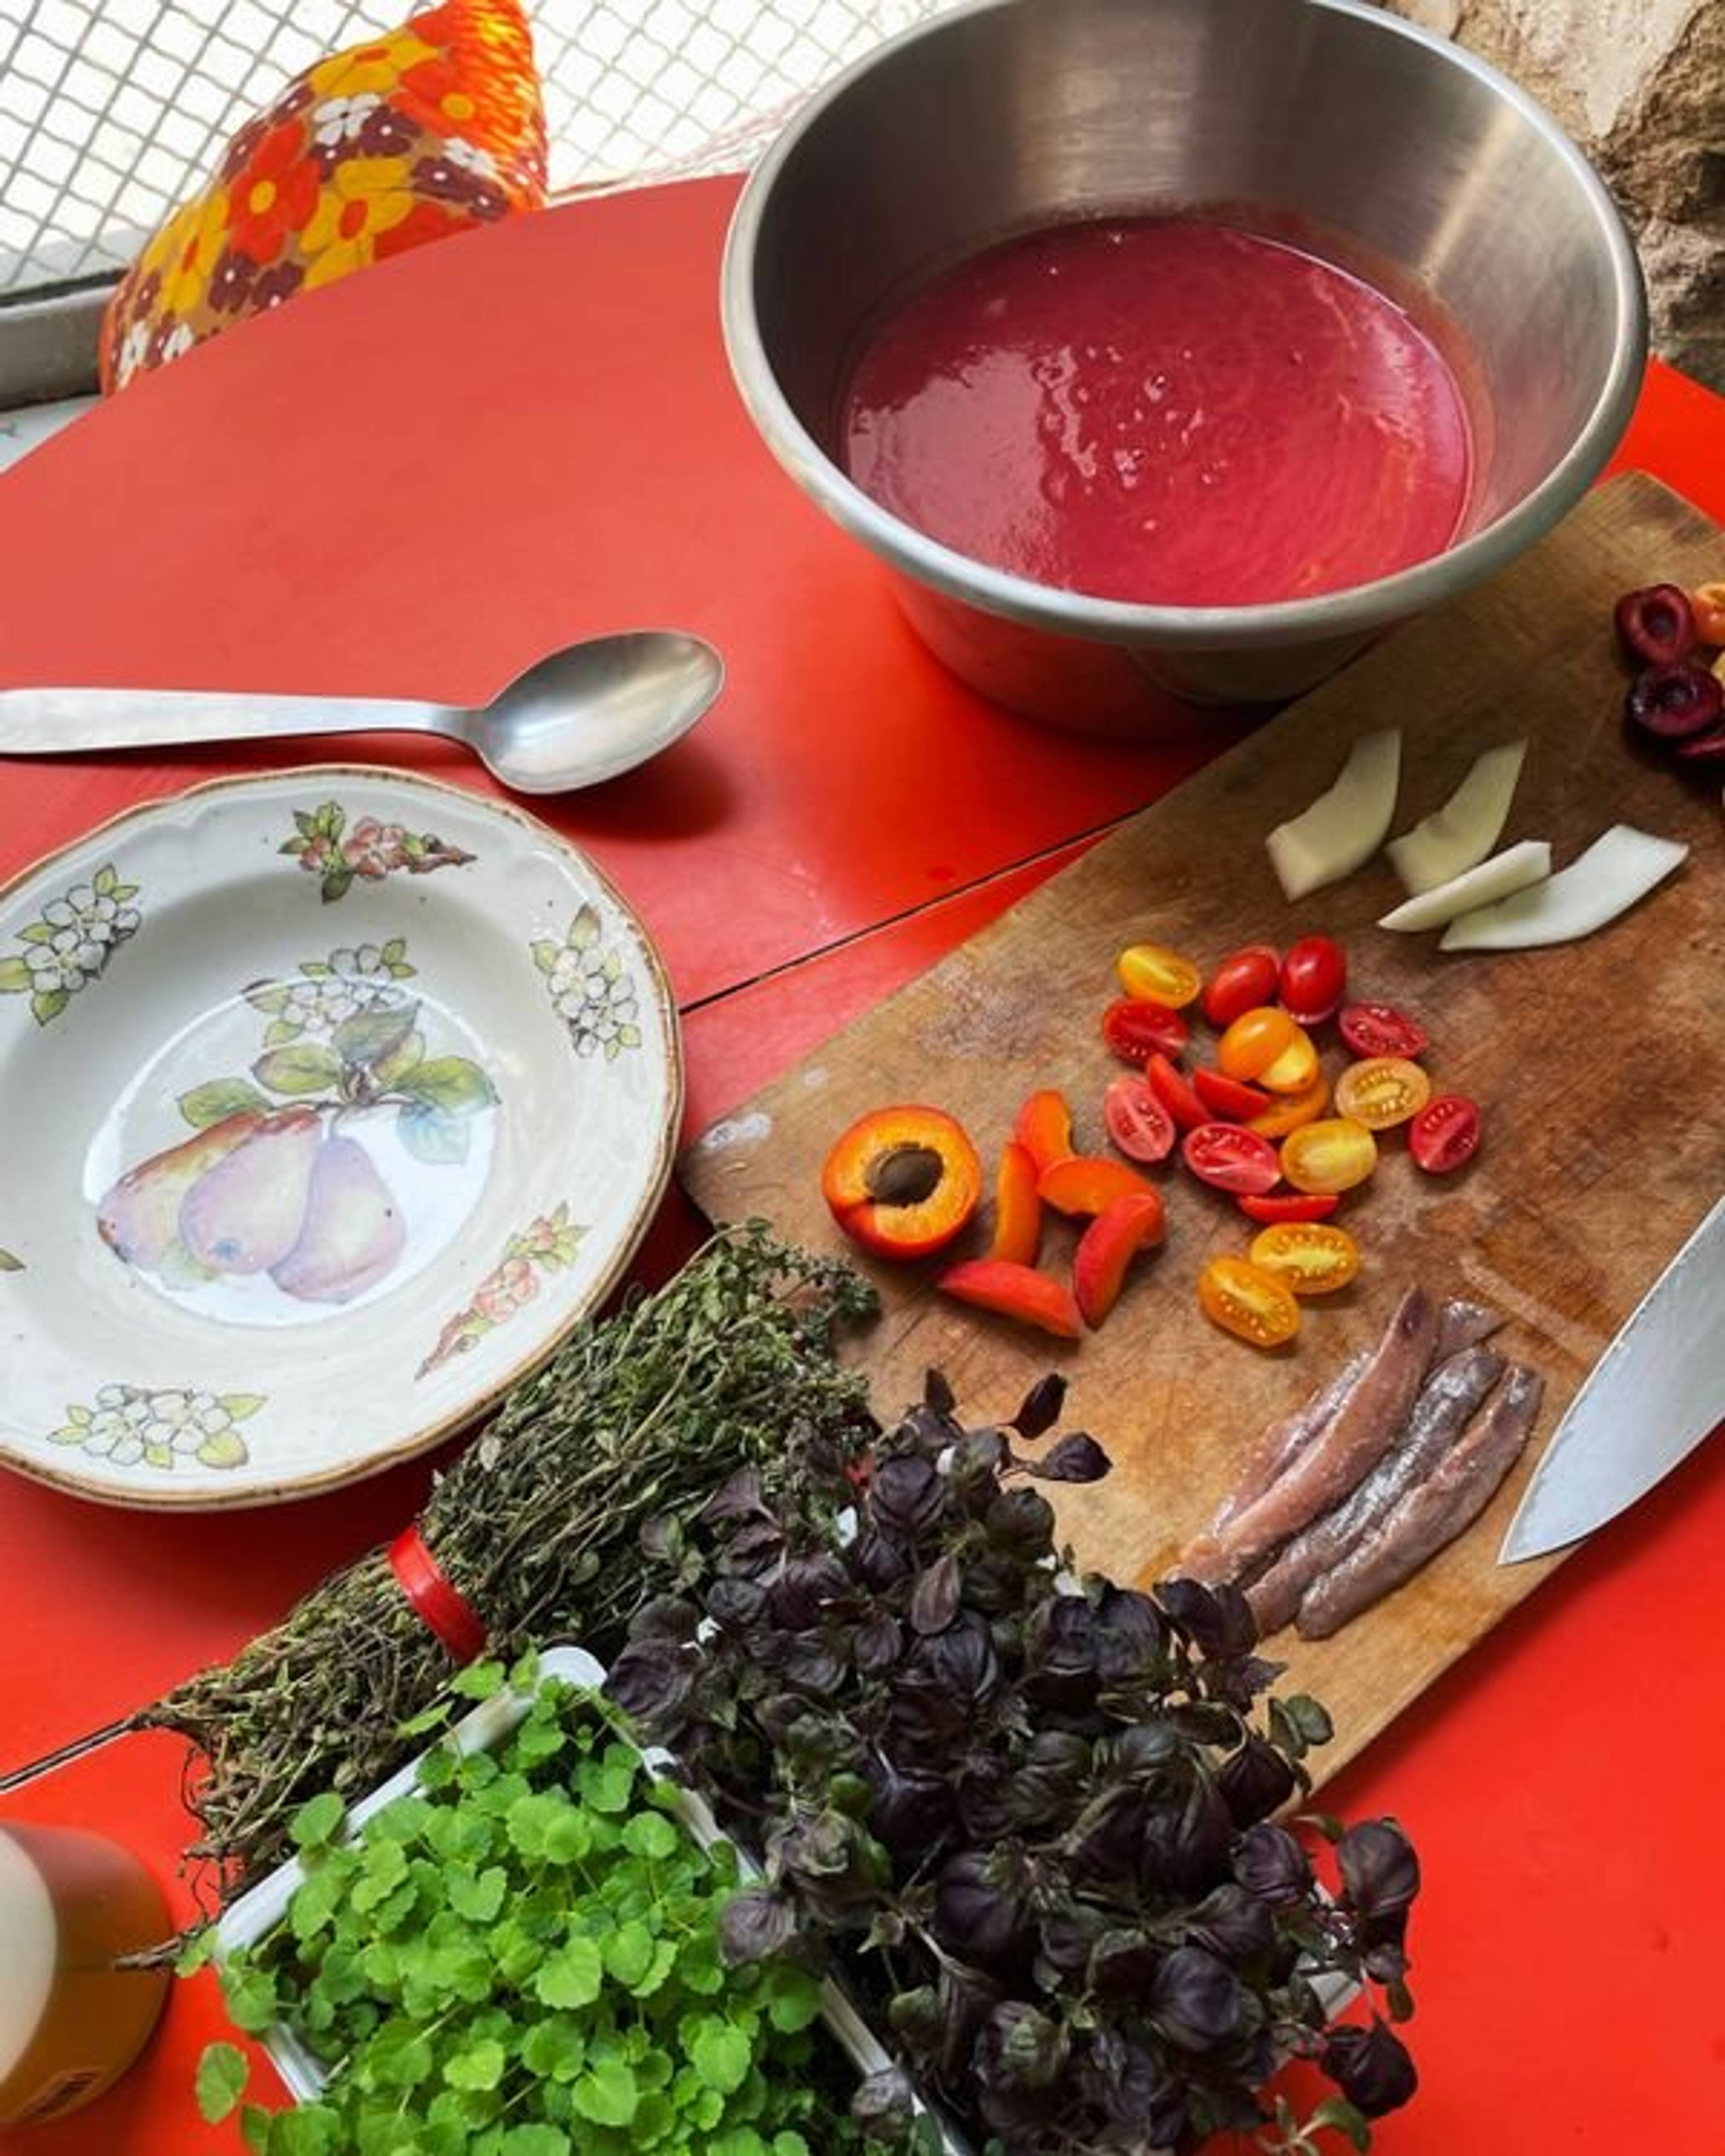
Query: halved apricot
x,y
902,1181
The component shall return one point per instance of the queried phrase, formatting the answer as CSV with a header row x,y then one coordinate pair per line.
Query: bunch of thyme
x,y
536,1524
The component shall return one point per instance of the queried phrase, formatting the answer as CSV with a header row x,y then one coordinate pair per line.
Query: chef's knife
x,y
1647,1402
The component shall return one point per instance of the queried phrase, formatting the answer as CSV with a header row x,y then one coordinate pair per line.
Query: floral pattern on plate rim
x,y
591,987
549,1244
133,1426
70,942
325,848
342,1043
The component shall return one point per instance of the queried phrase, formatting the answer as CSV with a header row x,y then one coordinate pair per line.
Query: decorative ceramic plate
x,y
333,1099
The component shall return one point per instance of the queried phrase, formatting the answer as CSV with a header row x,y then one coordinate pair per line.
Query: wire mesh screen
x,y
110,111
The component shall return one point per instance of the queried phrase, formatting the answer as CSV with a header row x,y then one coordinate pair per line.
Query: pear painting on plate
x,y
280,1177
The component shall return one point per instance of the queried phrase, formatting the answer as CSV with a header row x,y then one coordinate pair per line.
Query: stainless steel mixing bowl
x,y
1393,153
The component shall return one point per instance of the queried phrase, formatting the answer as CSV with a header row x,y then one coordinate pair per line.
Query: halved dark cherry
x,y
1673,702
1703,748
1657,624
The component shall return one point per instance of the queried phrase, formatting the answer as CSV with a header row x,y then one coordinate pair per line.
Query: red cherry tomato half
x,y
1270,1206
1380,1030
1136,1030
1244,979
1445,1134
1137,1122
1313,979
1230,1098
1174,1093
1231,1158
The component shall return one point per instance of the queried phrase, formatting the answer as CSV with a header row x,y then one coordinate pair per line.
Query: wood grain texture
x,y
1596,1063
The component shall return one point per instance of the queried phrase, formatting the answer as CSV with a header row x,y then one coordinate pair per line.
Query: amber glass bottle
x,y
71,1904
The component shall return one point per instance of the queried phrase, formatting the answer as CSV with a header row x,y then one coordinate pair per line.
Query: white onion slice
x,y
1458,836
1513,870
1343,828
1622,864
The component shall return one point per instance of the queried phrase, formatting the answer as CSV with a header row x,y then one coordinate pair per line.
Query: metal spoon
x,y
580,716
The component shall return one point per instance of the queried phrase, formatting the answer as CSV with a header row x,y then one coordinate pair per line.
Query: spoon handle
x,y
52,722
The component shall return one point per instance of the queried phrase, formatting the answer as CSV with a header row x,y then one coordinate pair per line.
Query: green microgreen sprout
x,y
520,1958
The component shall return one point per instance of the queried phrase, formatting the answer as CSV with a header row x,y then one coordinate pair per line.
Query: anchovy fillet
x,y
1364,1426
1463,1324
1284,1441
1453,1389
1429,1517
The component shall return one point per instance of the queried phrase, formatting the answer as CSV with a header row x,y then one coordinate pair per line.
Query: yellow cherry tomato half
x,y
1249,1301
1254,1041
1382,1091
1310,1257
1291,1110
1334,1153
1152,974
1294,1069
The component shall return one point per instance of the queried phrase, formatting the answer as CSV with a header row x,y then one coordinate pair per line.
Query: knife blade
x,y
1651,1397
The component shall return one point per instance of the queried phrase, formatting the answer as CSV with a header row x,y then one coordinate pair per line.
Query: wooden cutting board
x,y
1596,1064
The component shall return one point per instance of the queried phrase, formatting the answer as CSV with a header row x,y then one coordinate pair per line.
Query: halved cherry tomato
x,y
1380,1030
1175,1094
1334,1154
1136,1121
1313,979
1136,1030
1152,974
1229,1158
1706,602
1272,1205
1294,1069
1254,1039
1247,1302
1381,1091
1293,1109
1244,979
1310,1256
1445,1134
1230,1098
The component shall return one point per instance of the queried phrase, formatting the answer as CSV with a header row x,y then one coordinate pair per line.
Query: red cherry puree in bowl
x,y
1164,410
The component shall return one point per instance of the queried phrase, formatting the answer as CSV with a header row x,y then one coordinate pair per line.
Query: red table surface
x,y
412,483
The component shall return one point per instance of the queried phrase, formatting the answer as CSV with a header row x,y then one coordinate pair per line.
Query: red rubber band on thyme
x,y
455,1621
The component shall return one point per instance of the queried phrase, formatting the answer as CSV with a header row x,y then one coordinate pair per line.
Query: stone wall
x,y
1640,86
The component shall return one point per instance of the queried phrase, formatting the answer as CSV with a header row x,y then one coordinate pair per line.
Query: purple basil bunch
x,y
1033,1817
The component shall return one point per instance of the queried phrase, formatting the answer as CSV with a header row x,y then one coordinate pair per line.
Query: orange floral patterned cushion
x,y
428,131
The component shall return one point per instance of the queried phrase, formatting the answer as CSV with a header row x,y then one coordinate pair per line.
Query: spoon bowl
x,y
632,694
575,718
